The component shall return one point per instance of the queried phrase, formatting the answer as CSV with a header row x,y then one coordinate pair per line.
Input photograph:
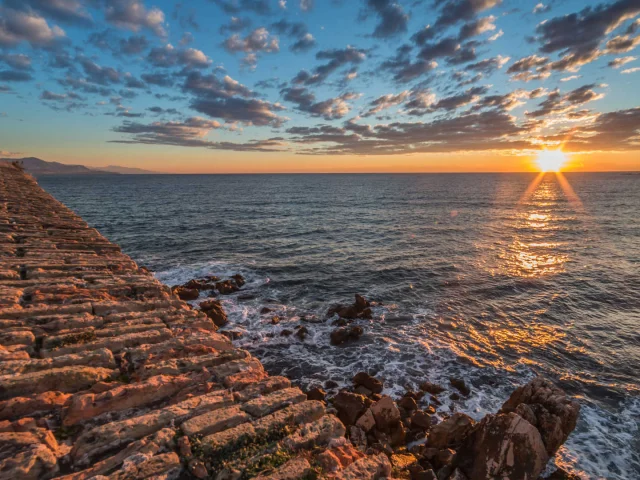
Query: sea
x,y
493,278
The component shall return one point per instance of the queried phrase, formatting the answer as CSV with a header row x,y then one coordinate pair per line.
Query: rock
x,y
371,467
213,309
503,446
421,420
207,283
316,393
431,388
368,382
227,287
315,434
275,320
344,334
426,475
42,403
294,469
238,279
445,456
263,405
265,310
366,421
362,390
459,384
286,333
457,475
561,474
349,406
360,309
547,408
186,294
331,384
402,461
358,437
302,333
451,432
232,334
386,414
408,403
214,421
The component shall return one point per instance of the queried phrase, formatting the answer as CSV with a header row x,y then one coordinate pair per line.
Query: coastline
x,y
102,363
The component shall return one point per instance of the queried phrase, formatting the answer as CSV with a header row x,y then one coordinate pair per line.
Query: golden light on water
x,y
551,160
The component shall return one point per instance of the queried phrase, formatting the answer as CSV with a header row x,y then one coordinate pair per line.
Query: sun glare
x,y
551,160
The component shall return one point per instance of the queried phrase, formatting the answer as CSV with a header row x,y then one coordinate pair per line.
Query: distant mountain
x,y
38,167
124,170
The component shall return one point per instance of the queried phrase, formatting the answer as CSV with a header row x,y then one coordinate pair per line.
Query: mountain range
x,y
38,167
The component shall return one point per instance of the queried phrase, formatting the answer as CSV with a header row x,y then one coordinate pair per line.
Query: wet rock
x,y
503,446
431,388
546,407
186,294
386,414
349,406
239,280
331,384
344,334
369,382
213,309
421,420
366,421
233,334
360,309
362,390
275,320
408,403
302,333
426,475
460,385
451,432
561,474
265,310
316,393
206,283
227,287
286,333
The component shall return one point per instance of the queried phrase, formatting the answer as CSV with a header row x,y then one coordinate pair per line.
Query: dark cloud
x,y
330,109
159,79
162,111
488,65
132,82
556,103
235,25
450,49
229,100
337,59
452,102
577,36
190,133
619,62
134,16
259,40
169,56
392,19
454,11
386,101
27,26
530,68
477,27
14,76
622,44
404,69
17,61
304,41
134,45
610,131
423,36
97,74
65,11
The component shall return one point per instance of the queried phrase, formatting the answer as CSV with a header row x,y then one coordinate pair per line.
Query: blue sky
x,y
136,79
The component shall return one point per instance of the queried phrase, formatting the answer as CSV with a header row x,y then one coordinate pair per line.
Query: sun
x,y
551,160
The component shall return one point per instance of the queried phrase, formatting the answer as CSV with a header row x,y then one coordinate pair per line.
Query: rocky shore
x,y
107,373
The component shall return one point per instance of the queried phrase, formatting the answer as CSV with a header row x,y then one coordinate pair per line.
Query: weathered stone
x,y
213,309
163,466
41,403
366,468
450,432
366,421
230,437
421,420
316,393
301,413
86,407
368,382
431,388
349,406
386,413
460,384
262,387
315,434
96,358
66,379
344,334
503,446
403,461
214,421
294,469
264,405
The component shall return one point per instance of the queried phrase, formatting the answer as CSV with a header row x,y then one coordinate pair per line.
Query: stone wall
x,y
105,374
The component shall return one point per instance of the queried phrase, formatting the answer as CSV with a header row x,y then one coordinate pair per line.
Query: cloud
x,y
14,76
134,16
454,11
392,18
556,103
17,61
569,78
618,130
261,7
18,26
337,59
298,31
190,133
631,70
386,101
459,100
81,84
304,44
229,100
306,5
169,56
618,62
71,12
330,109
541,8
133,45
159,79
258,41
236,24
488,65
451,49
622,44
477,27
97,74
521,68
47,95
577,36
404,69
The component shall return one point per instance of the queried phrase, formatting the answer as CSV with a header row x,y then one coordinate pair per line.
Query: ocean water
x,y
491,277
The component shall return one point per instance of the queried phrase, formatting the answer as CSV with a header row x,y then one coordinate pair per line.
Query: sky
x,y
223,86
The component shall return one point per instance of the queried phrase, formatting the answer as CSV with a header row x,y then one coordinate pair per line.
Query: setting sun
x,y
551,160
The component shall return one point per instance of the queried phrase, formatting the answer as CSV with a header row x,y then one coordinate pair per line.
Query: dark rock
x,y
302,333
425,475
238,279
286,333
275,320
421,420
207,283
444,472
445,456
366,380
362,390
232,334
503,446
344,334
331,384
360,309
451,432
213,309
408,403
431,388
349,406
386,414
265,310
186,294
454,396
561,474
316,393
227,287
547,408
459,384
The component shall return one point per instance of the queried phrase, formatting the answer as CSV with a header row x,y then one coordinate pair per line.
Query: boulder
x,y
186,294
431,388
316,393
451,432
227,287
369,382
349,406
386,414
503,446
460,385
360,309
239,280
547,408
421,420
344,334
408,403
